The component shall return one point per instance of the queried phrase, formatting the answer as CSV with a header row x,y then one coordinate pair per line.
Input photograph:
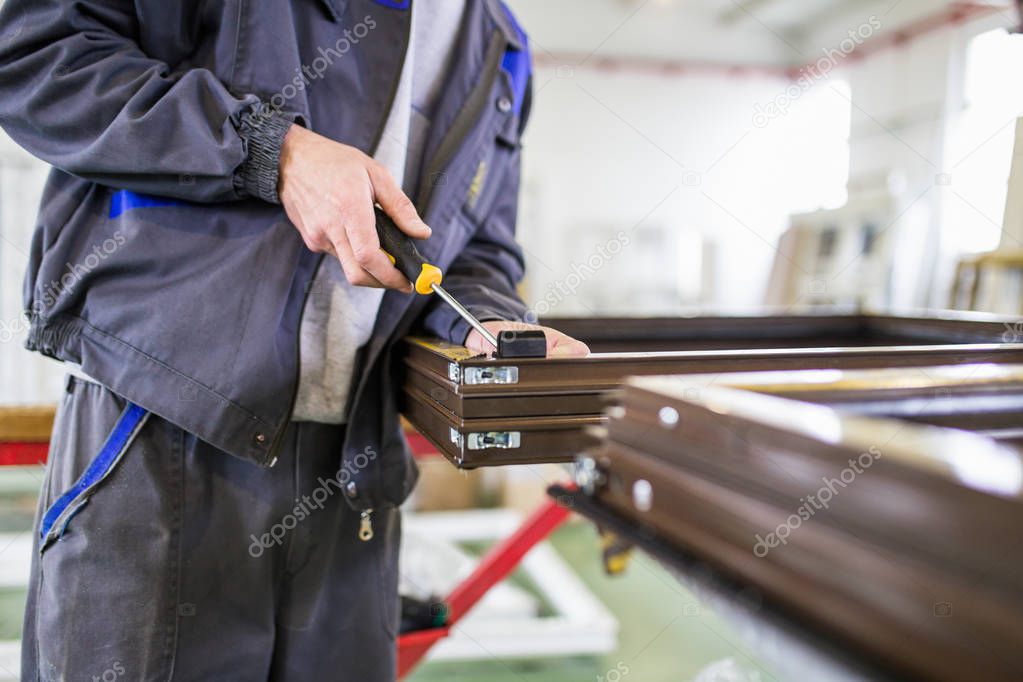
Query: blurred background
x,y
764,152
703,155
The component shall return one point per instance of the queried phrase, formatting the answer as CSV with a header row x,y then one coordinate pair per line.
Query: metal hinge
x,y
473,376
504,440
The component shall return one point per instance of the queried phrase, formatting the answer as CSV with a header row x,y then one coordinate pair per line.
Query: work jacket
x,y
162,261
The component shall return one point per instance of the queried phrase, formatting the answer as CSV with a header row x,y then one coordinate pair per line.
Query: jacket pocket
x,y
58,515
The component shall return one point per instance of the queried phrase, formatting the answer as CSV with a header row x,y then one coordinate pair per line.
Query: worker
x,y
220,501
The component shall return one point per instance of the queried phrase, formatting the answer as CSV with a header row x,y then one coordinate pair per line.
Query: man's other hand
x,y
558,345
328,190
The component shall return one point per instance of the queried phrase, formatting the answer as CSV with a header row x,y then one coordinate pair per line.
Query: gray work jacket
x,y
162,261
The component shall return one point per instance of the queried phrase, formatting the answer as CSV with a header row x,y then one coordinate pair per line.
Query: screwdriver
x,y
425,277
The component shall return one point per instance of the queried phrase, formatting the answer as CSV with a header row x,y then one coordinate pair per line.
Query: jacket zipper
x,y
366,525
464,122
277,441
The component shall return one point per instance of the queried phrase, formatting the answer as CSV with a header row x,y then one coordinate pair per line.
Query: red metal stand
x,y
504,558
413,647
497,565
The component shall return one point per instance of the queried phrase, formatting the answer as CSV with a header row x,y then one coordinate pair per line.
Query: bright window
x,y
981,143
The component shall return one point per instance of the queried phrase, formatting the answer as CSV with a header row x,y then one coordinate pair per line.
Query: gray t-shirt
x,y
338,317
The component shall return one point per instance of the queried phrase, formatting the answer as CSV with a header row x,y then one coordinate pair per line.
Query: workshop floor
x,y
665,634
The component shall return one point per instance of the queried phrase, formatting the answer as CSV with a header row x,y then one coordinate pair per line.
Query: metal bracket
x,y
459,441
475,376
587,475
617,552
504,440
454,372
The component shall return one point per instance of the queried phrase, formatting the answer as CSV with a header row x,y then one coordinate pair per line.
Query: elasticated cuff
x,y
263,134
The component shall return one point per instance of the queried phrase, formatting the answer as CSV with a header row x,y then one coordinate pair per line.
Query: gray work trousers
x,y
167,559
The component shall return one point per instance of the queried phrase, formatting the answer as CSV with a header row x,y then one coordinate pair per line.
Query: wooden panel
x,y
457,390
26,424
898,540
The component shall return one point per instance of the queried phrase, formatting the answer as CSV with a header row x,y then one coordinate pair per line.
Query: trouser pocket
x,y
58,515
104,586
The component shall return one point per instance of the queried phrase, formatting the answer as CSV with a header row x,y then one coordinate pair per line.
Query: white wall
x,y
897,145
25,377
674,161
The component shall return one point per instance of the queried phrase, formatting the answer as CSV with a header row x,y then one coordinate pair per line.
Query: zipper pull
x,y
366,526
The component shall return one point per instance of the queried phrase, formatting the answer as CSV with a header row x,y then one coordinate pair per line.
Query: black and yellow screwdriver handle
x,y
402,251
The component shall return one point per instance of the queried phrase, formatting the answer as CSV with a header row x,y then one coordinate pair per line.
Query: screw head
x,y
642,495
668,416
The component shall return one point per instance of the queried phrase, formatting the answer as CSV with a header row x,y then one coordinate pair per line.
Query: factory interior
x,y
788,232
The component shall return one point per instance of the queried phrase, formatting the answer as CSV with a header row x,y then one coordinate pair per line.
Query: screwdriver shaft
x,y
466,315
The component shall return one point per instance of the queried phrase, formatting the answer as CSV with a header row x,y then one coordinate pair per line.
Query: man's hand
x,y
558,345
328,190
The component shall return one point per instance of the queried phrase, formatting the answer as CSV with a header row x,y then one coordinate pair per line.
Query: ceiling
x,y
764,32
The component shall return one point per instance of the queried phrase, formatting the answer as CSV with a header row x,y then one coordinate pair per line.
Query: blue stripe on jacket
x,y
123,201
518,63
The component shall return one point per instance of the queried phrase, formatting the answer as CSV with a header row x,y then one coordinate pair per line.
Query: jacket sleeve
x,y
78,92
